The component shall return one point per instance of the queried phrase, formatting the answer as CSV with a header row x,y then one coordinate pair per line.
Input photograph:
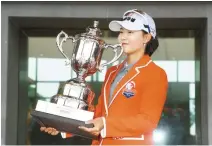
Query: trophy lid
x,y
93,30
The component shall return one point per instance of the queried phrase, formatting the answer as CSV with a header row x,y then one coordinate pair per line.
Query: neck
x,y
133,57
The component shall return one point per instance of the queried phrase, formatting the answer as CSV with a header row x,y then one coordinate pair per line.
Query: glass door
x,y
176,55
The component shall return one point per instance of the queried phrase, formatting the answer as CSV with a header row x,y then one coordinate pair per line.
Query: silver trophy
x,y
85,61
74,99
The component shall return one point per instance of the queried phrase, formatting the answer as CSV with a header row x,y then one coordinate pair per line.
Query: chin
x,y
128,52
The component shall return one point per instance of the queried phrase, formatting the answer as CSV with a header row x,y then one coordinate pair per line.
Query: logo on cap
x,y
129,14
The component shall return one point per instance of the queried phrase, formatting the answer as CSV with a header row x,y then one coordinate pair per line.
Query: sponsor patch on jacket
x,y
129,90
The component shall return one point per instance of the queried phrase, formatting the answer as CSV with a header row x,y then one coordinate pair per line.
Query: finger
x,y
94,129
50,131
55,132
54,129
96,133
47,129
42,128
84,128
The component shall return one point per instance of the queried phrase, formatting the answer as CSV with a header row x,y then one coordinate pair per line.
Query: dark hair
x,y
151,46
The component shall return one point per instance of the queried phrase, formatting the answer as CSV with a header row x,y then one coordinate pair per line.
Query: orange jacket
x,y
136,105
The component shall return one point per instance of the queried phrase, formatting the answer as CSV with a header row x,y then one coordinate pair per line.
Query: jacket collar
x,y
133,72
141,62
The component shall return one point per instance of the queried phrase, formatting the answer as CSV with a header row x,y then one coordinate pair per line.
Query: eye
x,y
121,32
130,32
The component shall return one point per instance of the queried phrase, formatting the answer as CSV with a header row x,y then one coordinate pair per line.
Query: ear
x,y
147,38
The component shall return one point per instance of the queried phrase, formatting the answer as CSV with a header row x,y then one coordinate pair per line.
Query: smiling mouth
x,y
123,44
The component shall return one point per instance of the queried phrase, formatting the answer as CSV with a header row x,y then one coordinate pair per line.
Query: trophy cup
x,y
73,104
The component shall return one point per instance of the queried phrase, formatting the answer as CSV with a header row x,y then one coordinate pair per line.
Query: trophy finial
x,y
95,24
94,30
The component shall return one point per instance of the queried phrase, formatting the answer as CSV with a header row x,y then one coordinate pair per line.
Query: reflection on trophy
x,y
73,104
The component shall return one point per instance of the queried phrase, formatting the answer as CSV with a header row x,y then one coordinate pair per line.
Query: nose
x,y
123,37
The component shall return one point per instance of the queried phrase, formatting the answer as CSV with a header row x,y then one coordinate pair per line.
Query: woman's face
x,y
132,41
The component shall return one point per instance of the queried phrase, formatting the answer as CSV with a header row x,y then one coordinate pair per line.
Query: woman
x,y
134,92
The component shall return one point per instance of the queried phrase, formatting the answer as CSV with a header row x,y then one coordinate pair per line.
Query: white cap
x,y
135,20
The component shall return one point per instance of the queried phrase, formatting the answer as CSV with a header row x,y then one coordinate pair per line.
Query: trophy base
x,y
62,124
63,118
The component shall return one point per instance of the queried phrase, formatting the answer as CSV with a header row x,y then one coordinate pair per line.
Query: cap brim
x,y
115,25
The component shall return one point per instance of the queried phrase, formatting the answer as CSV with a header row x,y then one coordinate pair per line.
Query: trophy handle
x,y
59,44
116,57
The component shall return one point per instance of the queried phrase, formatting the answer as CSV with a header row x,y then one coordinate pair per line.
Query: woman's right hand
x,y
49,130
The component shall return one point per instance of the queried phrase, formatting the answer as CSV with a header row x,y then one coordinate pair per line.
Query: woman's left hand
x,y
98,126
